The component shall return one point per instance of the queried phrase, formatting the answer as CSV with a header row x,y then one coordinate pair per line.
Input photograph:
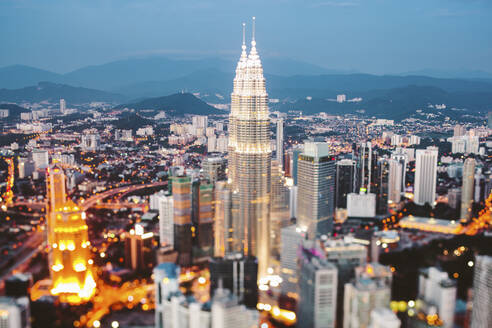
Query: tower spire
x,y
254,28
244,35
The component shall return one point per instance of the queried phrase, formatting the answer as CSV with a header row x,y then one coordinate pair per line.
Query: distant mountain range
x,y
48,91
396,103
177,104
140,83
117,74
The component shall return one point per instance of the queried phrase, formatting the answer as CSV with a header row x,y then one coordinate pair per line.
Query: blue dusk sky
x,y
374,36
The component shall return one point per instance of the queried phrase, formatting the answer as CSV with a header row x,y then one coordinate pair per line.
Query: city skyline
x,y
246,198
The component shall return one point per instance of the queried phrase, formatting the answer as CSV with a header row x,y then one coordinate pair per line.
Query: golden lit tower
x,y
250,157
70,265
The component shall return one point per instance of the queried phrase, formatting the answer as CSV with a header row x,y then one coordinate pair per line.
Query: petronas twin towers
x,y
250,158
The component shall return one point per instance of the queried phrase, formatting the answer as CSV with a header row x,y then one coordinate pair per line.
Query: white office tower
x,y
472,145
435,288
63,106
458,145
291,237
394,181
90,142
250,156
26,168
166,221
425,176
384,318
293,201
40,158
467,189
280,142
200,122
316,194
317,288
403,158
226,312
370,289
361,205
459,130
14,312
154,200
482,293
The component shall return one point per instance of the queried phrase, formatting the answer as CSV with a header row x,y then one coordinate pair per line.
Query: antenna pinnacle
x,y
254,27
244,34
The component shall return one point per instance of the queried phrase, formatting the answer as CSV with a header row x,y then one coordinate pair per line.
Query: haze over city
x,y
373,36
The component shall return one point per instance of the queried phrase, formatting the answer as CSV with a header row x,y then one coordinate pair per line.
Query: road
x,y
90,202
29,248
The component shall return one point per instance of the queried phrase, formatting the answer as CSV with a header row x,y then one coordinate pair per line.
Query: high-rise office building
x,y
70,263
166,278
291,238
395,183
138,249
238,274
26,167
315,198
383,185
459,130
425,176
294,161
227,312
181,189
280,214
90,142
204,229
14,312
40,158
346,255
63,106
250,156
224,230
345,182
482,293
367,165
437,289
467,190
166,220
199,121
318,290
370,289
454,197
214,168
384,318
280,141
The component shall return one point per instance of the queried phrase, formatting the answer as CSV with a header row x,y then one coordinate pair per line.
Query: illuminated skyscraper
x,y
70,264
250,156
223,227
467,188
182,218
315,200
